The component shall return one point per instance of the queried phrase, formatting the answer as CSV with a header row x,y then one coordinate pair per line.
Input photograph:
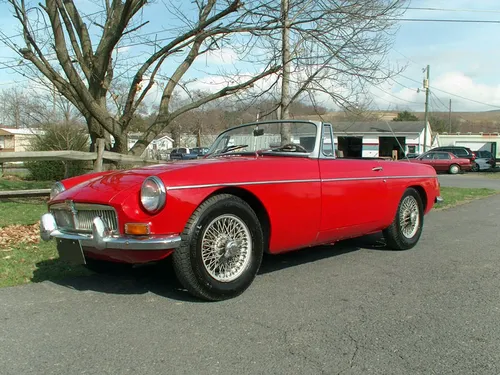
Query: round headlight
x,y
153,194
56,189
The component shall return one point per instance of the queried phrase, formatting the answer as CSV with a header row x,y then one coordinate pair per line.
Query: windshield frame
x,y
315,153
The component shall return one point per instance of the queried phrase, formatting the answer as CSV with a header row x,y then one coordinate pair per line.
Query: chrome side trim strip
x,y
273,182
242,184
371,178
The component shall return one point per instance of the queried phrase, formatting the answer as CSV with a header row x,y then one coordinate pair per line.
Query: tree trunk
x,y
96,131
121,145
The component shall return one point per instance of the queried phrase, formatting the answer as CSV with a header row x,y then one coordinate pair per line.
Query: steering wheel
x,y
293,147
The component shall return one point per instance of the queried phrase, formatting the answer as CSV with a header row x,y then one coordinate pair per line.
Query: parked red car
x,y
269,187
444,162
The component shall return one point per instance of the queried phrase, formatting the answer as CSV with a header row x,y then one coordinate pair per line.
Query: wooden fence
x,y
96,157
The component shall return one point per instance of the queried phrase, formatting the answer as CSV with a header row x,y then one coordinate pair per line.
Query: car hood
x,y
106,188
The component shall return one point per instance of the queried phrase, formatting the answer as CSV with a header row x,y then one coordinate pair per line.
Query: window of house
x,y
412,149
2,141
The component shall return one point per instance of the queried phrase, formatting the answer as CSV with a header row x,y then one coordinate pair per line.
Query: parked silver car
x,y
484,160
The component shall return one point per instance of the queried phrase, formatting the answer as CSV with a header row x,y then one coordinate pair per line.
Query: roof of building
x,y
4,132
137,135
378,126
21,131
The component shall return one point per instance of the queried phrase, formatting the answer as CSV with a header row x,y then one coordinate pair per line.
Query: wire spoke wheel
x,y
221,250
409,219
226,248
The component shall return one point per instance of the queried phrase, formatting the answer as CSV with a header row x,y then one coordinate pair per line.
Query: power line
x,y
455,10
437,97
443,20
395,97
456,95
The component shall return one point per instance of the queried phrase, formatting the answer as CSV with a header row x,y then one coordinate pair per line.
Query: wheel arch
x,y
423,195
256,205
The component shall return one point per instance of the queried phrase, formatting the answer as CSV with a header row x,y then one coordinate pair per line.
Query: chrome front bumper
x,y
101,238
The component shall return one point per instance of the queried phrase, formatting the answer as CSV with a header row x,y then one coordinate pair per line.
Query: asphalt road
x,y
469,180
354,308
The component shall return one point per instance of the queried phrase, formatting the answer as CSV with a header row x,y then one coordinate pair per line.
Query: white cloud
x,y
460,84
450,85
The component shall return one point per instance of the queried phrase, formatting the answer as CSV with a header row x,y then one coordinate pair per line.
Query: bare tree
x,y
16,108
83,70
330,49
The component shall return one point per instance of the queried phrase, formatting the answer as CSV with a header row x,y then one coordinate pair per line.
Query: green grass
x,y
25,263
18,184
454,196
21,211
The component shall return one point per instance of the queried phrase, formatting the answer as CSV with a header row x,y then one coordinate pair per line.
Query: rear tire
x,y
454,169
406,229
222,248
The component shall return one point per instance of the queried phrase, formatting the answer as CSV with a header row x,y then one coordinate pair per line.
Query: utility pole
x,y
449,117
285,80
285,61
426,117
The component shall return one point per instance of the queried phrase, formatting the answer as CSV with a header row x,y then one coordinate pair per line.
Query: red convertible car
x,y
271,187
443,161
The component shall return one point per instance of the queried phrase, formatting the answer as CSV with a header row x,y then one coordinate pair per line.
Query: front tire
x,y
454,169
406,229
221,250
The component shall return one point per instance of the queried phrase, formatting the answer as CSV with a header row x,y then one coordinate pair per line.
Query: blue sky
x,y
463,57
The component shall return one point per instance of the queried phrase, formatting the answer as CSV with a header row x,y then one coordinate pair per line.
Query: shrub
x,y
58,138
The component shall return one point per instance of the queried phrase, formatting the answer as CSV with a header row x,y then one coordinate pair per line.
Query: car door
x,y
428,158
441,161
353,192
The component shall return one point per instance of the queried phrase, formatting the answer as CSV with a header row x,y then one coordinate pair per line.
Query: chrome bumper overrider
x,y
101,238
439,199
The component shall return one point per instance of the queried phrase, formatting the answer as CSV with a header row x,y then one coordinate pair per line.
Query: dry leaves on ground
x,y
14,234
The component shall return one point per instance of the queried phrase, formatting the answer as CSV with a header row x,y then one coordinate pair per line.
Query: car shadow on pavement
x,y
160,278
272,263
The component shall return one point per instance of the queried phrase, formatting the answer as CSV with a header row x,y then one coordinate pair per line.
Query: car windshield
x,y
294,137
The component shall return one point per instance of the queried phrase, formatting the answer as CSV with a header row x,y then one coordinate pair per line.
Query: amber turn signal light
x,y
137,229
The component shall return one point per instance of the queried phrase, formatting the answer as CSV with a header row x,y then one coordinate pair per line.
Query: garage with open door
x,y
389,144
351,147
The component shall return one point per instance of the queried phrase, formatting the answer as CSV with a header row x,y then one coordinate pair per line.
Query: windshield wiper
x,y
227,149
289,147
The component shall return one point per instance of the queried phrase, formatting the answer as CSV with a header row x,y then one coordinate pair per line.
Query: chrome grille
x,y
78,216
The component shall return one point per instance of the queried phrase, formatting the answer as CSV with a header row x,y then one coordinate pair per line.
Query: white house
x,y
18,140
474,141
156,149
380,138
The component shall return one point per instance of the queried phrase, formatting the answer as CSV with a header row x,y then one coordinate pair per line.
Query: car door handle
x,y
376,169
